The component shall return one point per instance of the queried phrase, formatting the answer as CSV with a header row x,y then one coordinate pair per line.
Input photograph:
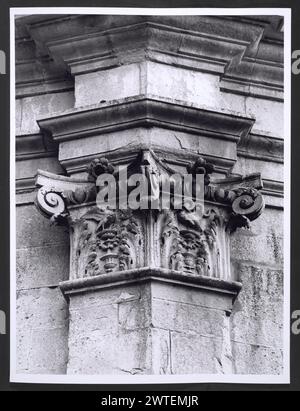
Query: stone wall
x,y
68,66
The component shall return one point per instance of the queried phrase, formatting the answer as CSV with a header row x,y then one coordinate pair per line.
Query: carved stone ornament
x,y
191,241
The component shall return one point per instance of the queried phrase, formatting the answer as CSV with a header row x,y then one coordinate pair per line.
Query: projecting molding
x,y
30,146
146,111
145,120
247,53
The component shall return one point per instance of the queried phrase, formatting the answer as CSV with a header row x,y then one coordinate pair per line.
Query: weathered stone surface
x,y
42,351
188,321
32,108
33,230
121,353
110,331
153,136
265,112
263,243
102,321
25,198
42,333
188,295
42,266
269,170
27,169
257,317
179,83
171,315
135,314
109,85
194,354
253,359
33,308
48,353
18,115
161,351
110,311
112,296
90,321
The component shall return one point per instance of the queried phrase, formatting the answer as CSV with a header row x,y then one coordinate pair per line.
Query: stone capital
x,y
189,243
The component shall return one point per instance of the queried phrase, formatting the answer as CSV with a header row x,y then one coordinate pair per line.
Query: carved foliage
x,y
190,241
195,242
106,241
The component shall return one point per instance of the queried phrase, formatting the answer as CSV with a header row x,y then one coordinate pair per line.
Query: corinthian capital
x,y
192,243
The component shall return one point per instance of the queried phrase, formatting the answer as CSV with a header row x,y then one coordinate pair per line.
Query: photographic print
x,y
150,195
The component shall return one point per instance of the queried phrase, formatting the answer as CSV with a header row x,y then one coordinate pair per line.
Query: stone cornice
x,y
29,146
261,147
272,25
25,185
38,73
146,111
146,40
73,25
259,71
248,52
40,85
239,84
146,274
273,188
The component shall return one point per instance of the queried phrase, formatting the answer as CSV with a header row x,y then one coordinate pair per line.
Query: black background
x,y
4,192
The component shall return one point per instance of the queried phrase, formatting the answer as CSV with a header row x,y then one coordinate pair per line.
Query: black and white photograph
x,y
150,175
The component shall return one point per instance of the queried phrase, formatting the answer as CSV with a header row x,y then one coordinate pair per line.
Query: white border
x,y
155,379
